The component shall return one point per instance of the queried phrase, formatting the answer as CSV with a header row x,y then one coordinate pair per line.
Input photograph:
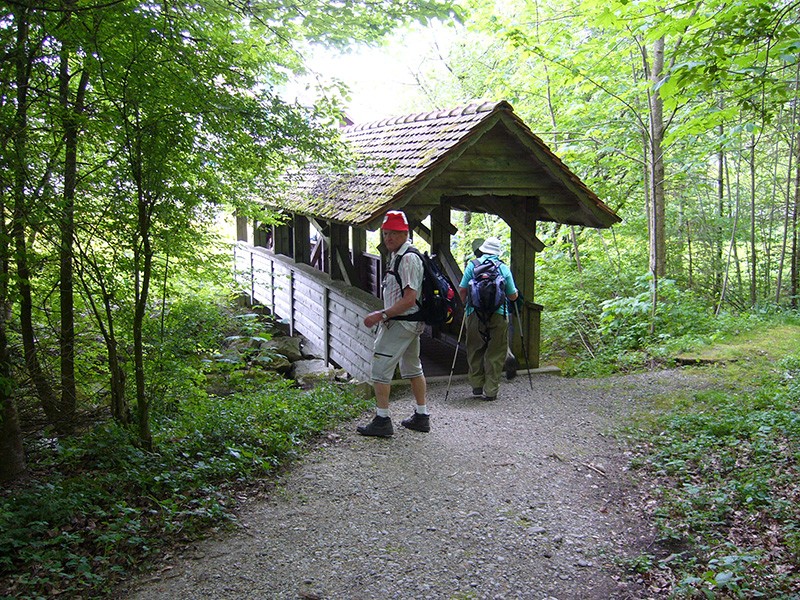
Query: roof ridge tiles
x,y
471,108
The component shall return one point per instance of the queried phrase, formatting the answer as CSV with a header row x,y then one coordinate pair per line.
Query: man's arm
x,y
510,283
408,300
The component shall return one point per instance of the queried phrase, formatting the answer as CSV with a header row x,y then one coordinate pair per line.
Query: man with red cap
x,y
397,342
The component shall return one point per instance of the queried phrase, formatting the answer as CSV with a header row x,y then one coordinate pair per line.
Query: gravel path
x,y
524,498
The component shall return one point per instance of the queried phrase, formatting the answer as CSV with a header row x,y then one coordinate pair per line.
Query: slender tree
x,y
72,106
24,61
12,454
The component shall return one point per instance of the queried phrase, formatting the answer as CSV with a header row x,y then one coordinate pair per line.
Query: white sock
x,y
422,409
382,412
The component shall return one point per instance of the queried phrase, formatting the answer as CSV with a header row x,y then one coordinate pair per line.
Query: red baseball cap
x,y
395,220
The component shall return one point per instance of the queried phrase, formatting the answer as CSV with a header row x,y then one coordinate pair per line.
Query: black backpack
x,y
487,288
438,301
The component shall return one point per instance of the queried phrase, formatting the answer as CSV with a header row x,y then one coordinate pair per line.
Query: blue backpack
x,y
487,288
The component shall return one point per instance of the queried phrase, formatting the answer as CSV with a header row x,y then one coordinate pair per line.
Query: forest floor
x,y
527,497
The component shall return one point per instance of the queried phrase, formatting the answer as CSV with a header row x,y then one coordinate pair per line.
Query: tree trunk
x,y
753,254
689,254
119,404
796,205
786,223
720,267
656,161
655,175
12,454
143,260
576,249
794,141
66,287
18,221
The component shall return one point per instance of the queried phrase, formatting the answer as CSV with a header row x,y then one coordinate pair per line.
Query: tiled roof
x,y
399,155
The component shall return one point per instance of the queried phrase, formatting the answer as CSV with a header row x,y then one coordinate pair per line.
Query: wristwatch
x,y
384,316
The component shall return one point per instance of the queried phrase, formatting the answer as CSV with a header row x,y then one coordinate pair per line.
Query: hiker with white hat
x,y
486,285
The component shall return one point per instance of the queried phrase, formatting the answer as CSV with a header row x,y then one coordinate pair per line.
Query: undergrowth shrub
x,y
622,334
729,465
626,322
97,506
192,327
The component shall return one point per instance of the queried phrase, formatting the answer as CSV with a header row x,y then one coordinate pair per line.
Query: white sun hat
x,y
491,246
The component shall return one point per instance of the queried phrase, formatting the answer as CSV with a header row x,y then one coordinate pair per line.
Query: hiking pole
x,y
455,354
524,348
511,364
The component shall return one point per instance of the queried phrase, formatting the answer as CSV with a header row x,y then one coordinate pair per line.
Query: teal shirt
x,y
510,288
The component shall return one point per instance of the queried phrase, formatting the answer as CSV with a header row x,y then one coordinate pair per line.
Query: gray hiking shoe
x,y
417,422
378,427
511,365
477,392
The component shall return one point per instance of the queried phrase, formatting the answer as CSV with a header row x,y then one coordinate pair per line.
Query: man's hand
x,y
373,318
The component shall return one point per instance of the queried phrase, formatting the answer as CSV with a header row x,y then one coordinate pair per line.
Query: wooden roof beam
x,y
508,210
505,207
423,232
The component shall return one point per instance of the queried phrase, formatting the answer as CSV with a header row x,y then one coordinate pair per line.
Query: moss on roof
x,y
396,156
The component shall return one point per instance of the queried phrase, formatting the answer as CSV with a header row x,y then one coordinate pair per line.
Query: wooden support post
x,y
322,254
359,236
252,280
272,287
262,236
326,309
282,239
440,229
523,264
291,302
341,265
302,240
241,228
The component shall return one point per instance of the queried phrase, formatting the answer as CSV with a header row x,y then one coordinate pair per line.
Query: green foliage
x,y
595,323
626,322
254,429
97,506
191,328
728,466
478,226
100,506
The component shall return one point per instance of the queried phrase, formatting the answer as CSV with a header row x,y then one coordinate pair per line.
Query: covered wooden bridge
x,y
479,158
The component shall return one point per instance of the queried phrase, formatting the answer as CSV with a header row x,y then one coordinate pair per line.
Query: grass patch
x,y
757,345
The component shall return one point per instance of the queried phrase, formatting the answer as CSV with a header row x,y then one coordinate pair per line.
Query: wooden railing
x,y
327,313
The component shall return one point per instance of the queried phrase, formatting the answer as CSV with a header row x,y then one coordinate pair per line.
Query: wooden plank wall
x,y
328,313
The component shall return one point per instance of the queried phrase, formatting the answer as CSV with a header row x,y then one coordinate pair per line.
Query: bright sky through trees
x,y
382,80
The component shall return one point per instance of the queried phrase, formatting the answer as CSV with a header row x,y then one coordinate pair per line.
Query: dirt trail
x,y
527,497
